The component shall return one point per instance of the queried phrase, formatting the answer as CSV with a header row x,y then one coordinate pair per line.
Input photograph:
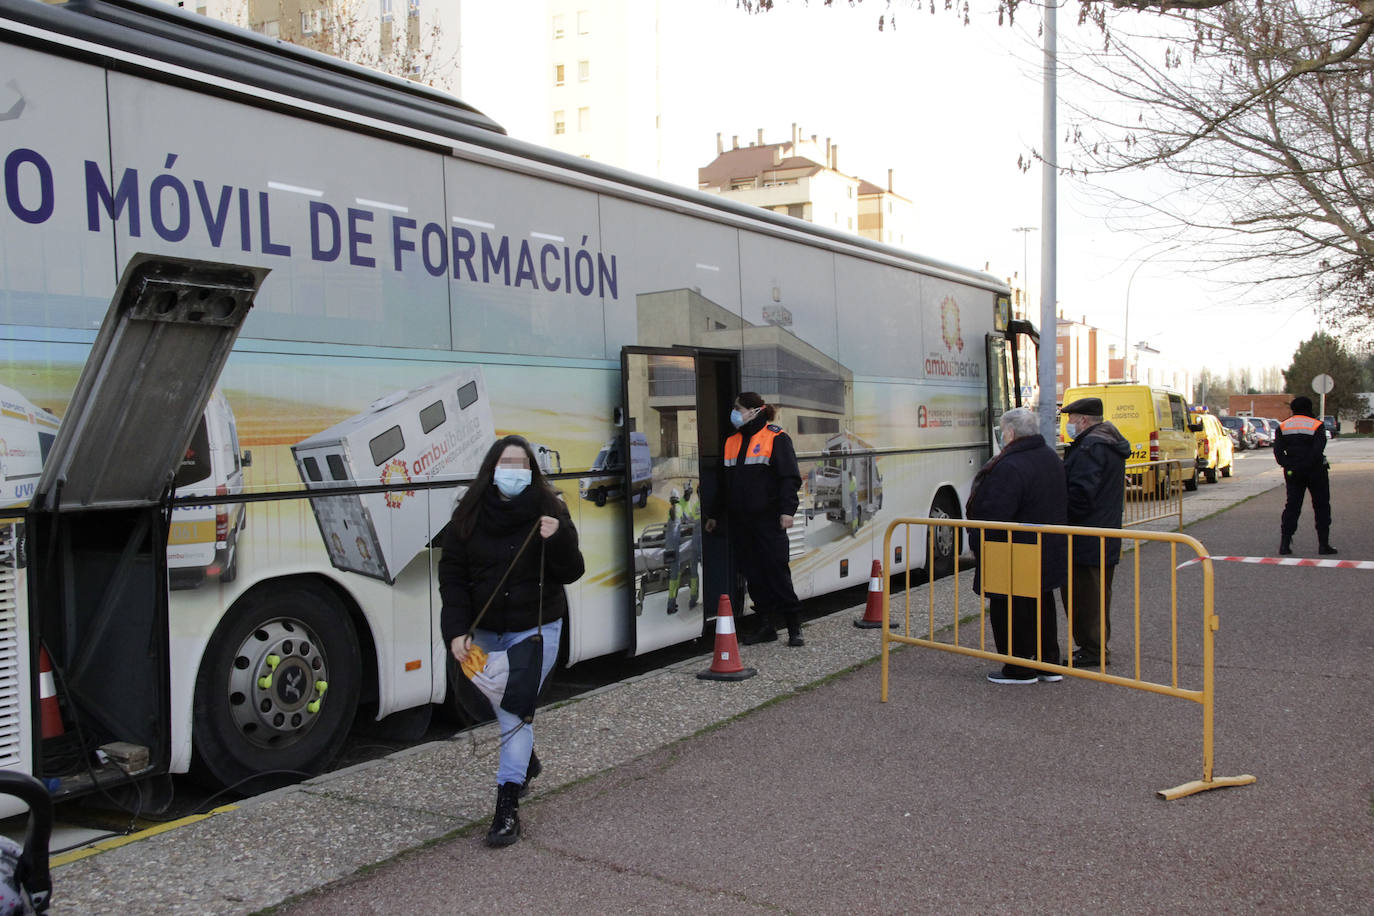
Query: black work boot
x,y
532,770
1324,545
764,632
794,634
505,826
1286,545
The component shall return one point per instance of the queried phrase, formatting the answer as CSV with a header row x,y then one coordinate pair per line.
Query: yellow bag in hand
x,y
474,661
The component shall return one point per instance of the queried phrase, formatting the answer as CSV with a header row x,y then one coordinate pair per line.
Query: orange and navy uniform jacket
x,y
1301,444
759,474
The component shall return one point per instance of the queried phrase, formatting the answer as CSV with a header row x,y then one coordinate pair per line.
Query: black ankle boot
x,y
763,633
505,826
1326,549
794,634
1285,545
531,771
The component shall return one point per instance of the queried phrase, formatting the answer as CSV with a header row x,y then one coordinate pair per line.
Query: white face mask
x,y
511,481
1071,429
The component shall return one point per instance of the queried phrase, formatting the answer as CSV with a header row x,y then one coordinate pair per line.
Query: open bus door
x,y
98,523
1004,368
676,405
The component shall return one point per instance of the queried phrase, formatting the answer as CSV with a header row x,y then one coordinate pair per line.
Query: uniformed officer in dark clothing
x,y
1095,469
757,493
1301,449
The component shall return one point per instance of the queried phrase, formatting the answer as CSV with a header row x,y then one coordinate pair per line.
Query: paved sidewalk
x,y
660,795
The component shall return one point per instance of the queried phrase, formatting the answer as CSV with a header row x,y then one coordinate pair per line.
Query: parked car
x,y
1245,433
1273,427
1333,426
1215,450
1263,437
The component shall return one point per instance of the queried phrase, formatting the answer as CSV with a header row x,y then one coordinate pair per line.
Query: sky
x,y
951,108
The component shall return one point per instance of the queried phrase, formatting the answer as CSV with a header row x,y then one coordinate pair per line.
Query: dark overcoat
x,y
1095,468
1023,483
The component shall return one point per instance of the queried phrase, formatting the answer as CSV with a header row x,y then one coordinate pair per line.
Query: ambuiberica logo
x,y
949,364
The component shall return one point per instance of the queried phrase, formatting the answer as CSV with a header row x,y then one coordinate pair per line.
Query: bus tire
x,y
948,541
253,737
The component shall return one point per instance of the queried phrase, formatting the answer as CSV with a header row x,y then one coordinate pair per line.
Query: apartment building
x,y
801,177
1087,355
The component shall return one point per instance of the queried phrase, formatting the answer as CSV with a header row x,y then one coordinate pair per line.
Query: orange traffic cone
x,y
725,666
873,611
47,696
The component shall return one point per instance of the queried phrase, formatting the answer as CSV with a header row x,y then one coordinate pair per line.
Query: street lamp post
x,y
1128,371
1025,262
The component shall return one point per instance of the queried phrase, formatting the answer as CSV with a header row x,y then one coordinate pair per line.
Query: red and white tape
x,y
1287,561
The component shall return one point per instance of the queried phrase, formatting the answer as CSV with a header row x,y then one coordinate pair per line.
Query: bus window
x,y
195,466
386,446
312,468
467,395
432,416
45,441
337,471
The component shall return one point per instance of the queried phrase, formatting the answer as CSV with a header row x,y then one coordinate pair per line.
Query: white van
x,y
439,430
607,477
203,540
26,434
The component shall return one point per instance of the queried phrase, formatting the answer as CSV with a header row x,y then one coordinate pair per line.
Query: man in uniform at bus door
x,y
1301,449
1095,471
684,561
759,480
1023,483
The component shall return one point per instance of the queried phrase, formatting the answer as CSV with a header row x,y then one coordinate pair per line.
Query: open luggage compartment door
x,y
97,526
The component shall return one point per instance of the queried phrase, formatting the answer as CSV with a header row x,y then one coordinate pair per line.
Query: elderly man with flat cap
x,y
1095,472
1301,449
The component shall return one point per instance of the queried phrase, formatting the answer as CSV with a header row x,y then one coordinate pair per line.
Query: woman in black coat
x,y
509,506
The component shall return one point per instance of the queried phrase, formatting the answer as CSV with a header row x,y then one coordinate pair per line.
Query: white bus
x,y
410,240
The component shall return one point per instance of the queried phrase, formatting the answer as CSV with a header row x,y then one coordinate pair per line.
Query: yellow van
x,y
1155,421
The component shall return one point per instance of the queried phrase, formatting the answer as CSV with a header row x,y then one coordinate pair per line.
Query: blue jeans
x,y
517,737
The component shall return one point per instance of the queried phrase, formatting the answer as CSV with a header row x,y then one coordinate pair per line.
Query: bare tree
x,y
1262,111
1252,109
388,35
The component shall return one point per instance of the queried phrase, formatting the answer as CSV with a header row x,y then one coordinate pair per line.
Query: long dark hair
x,y
469,510
752,400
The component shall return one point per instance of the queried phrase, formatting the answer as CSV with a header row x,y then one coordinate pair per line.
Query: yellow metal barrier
x,y
1154,491
1014,568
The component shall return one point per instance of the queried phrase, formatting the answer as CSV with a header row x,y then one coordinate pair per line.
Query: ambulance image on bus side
x,y
607,477
439,430
844,487
26,434
203,540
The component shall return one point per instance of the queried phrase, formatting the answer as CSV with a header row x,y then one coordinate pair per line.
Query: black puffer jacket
x,y
470,568
1095,467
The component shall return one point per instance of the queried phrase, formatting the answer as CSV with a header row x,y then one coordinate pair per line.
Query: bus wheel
x,y
277,689
947,539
